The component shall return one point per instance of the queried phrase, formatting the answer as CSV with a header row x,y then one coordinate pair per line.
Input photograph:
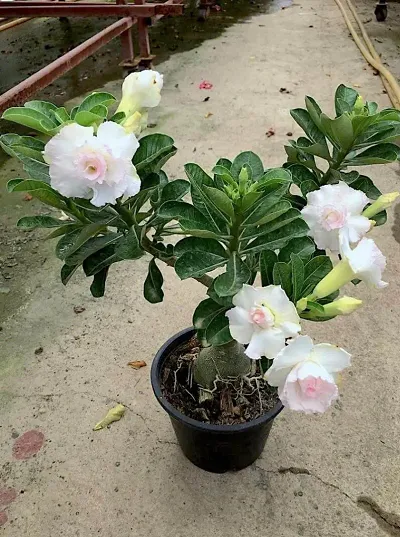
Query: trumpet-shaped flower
x,y
140,91
365,262
98,168
383,202
263,317
333,214
305,374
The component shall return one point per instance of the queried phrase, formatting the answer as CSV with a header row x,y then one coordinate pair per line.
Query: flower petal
x,y
246,297
240,327
121,144
278,302
332,358
295,352
265,343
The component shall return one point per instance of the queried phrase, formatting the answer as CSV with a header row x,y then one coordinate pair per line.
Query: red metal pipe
x,y
20,93
44,9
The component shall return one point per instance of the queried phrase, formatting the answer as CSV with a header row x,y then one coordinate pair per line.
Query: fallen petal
x,y
137,364
115,414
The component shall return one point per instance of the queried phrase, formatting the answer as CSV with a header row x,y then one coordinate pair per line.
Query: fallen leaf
x,y
137,364
27,197
289,133
356,86
270,132
206,99
79,309
204,84
114,414
209,114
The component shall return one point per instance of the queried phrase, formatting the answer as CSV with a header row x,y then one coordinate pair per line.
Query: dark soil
x,y
234,401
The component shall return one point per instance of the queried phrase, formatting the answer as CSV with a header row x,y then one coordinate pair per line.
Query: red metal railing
x,y
138,13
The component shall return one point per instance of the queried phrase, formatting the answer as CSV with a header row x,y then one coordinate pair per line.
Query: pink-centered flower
x,y
333,214
98,167
263,317
305,374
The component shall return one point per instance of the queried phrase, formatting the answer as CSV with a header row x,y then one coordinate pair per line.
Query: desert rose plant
x,y
282,241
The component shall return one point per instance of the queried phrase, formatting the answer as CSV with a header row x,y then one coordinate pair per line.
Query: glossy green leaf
x,y
340,130
316,269
345,99
75,256
32,222
297,277
128,246
197,244
252,160
217,332
220,200
282,220
41,191
95,99
188,216
67,272
88,119
237,273
377,154
304,247
175,190
153,283
314,110
260,211
152,149
282,275
278,238
99,260
268,258
195,263
301,173
98,286
61,115
304,120
205,312
30,118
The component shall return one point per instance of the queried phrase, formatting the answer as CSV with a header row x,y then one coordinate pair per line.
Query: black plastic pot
x,y
215,448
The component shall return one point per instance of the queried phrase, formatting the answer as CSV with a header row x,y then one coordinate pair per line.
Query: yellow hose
x,y
372,57
13,23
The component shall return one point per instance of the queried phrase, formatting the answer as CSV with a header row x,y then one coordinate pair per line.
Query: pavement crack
x,y
293,470
389,522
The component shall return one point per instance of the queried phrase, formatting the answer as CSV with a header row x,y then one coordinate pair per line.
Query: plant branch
x,y
335,165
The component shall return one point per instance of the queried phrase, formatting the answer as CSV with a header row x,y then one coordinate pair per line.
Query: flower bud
x,y
342,306
383,202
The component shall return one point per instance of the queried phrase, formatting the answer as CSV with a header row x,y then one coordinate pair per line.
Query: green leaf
x,y
196,263
282,275
65,243
74,112
259,212
282,220
340,130
314,271
303,118
128,247
98,286
67,273
61,115
380,218
205,312
153,148
217,332
237,273
118,117
30,118
32,222
85,234
99,260
87,119
268,258
62,230
252,160
301,173
198,180
304,247
220,200
188,216
75,256
197,244
44,107
314,110
345,99
278,238
308,186
175,190
297,277
152,289
41,191
377,154
315,307
361,182
95,99
100,110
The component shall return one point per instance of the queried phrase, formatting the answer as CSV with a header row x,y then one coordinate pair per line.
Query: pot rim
x,y
156,366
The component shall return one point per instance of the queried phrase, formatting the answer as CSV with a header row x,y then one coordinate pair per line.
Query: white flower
x,y
333,214
366,262
140,91
305,374
263,318
94,167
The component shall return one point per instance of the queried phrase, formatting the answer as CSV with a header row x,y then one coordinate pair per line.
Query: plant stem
x,y
335,165
234,242
125,214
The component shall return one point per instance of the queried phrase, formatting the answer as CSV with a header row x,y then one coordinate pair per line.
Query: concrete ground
x,y
332,475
